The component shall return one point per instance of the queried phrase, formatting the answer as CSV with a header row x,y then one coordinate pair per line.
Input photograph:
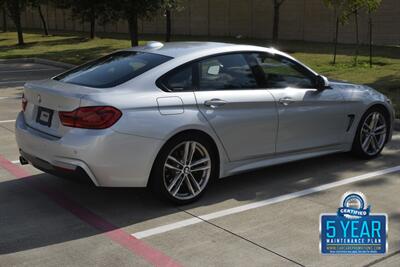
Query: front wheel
x,y
184,168
371,134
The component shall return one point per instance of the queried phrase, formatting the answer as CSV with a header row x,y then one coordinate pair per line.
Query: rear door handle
x,y
286,101
214,103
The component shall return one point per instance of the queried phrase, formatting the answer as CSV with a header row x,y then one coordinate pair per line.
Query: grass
x,y
76,48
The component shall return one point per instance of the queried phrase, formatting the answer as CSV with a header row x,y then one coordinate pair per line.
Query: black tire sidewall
x,y
156,178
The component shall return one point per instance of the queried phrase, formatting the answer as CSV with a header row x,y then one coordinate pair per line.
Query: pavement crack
x,y
382,259
5,128
243,238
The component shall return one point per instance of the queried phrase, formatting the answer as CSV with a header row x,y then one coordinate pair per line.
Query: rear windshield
x,y
112,70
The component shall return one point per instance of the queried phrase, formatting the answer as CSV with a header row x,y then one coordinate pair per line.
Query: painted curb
x,y
38,61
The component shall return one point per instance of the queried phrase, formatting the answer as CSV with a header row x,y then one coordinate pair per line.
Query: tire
x,y
376,133
184,182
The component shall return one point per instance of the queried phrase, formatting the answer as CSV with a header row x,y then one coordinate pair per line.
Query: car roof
x,y
182,49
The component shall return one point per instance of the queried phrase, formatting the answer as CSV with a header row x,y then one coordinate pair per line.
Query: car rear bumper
x,y
77,173
109,158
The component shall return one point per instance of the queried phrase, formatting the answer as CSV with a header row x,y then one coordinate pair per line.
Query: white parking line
x,y
12,82
262,203
9,97
15,161
7,121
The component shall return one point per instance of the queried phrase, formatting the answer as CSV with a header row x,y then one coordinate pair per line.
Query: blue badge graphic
x,y
353,229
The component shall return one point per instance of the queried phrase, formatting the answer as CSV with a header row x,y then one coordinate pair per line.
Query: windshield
x,y
112,70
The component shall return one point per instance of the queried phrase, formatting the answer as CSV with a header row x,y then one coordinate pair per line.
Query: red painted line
x,y
114,233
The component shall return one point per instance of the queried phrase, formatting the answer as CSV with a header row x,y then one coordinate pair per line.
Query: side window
x,y
226,72
179,80
279,72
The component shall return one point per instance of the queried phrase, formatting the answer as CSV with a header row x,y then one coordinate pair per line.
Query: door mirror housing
x,y
321,82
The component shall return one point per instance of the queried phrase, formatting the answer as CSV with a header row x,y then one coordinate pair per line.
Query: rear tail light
x,y
99,117
24,102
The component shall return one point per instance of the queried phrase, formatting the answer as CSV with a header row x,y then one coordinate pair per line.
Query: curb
x,y
38,61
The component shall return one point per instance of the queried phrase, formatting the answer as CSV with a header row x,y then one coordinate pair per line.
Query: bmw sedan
x,y
174,117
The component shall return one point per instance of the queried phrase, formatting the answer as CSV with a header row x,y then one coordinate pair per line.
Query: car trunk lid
x,y
46,98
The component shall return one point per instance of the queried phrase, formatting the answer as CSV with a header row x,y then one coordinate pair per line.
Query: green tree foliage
x,y
352,8
344,10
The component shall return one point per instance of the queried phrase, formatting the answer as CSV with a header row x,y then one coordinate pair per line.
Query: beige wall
x,y
307,20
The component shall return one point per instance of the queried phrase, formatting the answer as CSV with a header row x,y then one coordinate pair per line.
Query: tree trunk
x,y
357,37
336,41
19,30
45,30
92,24
5,28
370,40
275,26
14,11
133,29
168,22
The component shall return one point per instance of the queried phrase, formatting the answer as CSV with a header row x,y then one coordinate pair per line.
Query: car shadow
x,y
28,219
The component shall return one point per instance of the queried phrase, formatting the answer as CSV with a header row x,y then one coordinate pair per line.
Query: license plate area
x,y
44,116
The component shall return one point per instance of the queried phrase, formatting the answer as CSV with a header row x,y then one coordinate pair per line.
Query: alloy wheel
x,y
373,133
187,170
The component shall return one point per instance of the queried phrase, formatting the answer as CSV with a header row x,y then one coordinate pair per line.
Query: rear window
x,y
112,70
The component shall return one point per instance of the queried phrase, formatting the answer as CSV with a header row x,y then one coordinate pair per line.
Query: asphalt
x,y
38,229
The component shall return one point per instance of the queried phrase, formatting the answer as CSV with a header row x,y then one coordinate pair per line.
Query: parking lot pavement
x,y
16,74
46,220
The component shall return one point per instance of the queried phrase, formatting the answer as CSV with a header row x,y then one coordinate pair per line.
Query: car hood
x,y
350,86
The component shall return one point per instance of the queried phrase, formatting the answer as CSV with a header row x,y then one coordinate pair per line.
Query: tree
x,y
353,7
14,8
132,11
38,4
275,26
337,6
371,6
89,11
4,15
169,6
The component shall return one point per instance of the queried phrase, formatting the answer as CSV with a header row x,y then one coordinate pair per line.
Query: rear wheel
x,y
371,134
184,168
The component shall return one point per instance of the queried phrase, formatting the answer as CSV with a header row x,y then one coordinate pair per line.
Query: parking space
x,y
268,217
16,74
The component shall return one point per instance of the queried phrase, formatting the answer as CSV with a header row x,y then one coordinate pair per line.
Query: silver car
x,y
176,116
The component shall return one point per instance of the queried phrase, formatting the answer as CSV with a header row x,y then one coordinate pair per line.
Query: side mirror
x,y
321,82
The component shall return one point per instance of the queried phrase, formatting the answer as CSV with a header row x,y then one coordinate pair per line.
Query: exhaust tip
x,y
23,161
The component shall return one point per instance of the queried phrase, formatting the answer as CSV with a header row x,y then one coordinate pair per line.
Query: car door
x,y
309,118
243,116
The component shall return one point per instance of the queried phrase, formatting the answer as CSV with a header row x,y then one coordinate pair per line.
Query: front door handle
x,y
286,101
214,103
